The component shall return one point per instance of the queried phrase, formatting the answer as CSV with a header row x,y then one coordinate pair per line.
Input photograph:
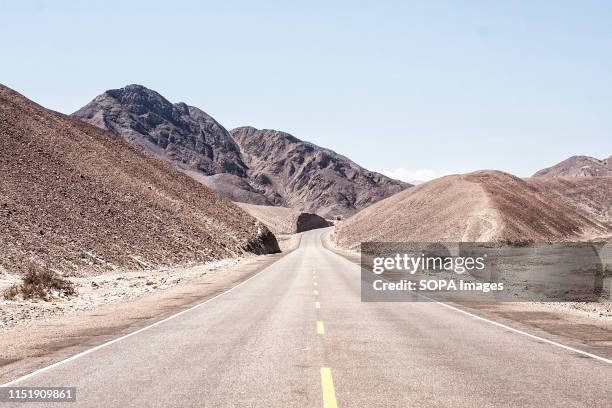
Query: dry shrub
x,y
41,283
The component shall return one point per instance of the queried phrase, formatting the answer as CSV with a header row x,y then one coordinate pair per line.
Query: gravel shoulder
x,y
34,334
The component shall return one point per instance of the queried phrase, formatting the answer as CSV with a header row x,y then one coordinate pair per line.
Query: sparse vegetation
x,y
40,283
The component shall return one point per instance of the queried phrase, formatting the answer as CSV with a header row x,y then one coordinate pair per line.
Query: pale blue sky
x,y
431,86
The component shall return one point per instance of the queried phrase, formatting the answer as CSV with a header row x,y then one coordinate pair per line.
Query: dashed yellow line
x,y
316,292
315,283
327,384
320,327
317,305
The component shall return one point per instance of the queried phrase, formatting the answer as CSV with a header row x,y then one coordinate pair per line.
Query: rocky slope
x,y
479,206
77,199
181,133
262,167
295,173
593,195
578,166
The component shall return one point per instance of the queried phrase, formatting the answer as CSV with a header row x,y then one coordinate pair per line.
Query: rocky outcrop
x,y
283,220
308,221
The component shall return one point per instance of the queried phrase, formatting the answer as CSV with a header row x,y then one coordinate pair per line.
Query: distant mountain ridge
x,y
578,166
264,167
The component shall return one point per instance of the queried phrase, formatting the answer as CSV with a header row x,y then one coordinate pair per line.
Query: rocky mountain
x,y
77,199
578,166
183,134
263,167
294,173
481,206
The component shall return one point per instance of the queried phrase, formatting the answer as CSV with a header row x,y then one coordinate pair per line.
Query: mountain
x,y
480,206
182,134
578,166
263,167
77,199
294,173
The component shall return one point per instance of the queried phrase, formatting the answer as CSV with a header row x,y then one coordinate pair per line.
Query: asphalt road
x,y
298,335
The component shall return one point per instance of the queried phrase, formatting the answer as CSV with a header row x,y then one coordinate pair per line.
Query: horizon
x,y
436,90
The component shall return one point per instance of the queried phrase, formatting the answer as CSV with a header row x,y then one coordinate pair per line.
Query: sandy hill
x,y
76,198
283,220
263,167
479,206
578,166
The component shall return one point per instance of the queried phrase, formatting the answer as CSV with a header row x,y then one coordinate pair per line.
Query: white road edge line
x,y
493,322
108,343
533,336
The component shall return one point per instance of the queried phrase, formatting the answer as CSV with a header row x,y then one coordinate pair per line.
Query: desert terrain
x,y
76,198
480,206
262,167
120,240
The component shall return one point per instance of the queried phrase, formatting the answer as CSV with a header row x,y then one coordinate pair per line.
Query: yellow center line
x,y
320,327
317,305
316,292
327,384
315,283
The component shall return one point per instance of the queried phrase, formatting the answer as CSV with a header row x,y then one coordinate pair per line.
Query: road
x,y
297,334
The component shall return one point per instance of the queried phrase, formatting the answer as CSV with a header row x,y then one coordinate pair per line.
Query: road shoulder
x,y
56,332
582,326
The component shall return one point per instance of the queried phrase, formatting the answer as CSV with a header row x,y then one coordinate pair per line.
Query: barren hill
x,y
578,166
263,167
479,206
283,220
76,198
592,195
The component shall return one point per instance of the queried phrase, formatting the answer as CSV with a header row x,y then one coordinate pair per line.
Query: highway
x,y
297,334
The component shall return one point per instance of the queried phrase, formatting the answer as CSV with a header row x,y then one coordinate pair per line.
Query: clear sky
x,y
417,89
